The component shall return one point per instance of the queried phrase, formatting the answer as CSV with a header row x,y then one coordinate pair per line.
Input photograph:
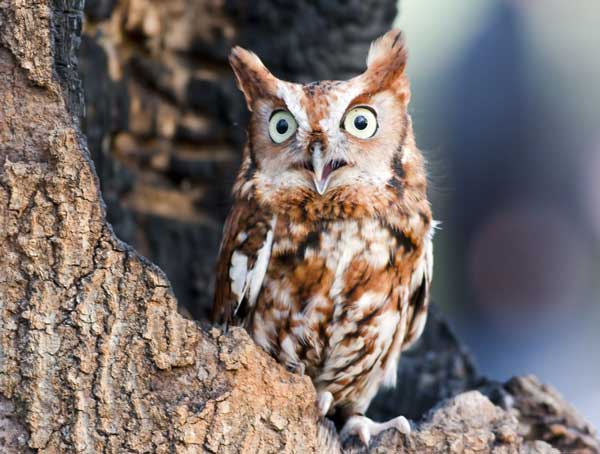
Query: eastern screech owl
x,y
326,256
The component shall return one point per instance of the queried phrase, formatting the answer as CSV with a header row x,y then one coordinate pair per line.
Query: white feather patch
x,y
291,95
247,282
390,375
262,262
238,271
435,225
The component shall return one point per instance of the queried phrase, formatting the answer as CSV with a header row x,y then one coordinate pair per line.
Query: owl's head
x,y
322,138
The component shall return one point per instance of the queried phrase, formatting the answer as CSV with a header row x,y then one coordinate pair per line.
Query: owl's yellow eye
x,y
282,125
361,122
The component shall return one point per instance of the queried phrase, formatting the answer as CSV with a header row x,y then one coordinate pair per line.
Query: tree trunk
x,y
94,356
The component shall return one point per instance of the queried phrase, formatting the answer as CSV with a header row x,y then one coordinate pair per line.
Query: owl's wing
x,y
419,295
243,259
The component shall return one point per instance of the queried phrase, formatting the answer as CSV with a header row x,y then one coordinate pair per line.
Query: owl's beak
x,y
321,170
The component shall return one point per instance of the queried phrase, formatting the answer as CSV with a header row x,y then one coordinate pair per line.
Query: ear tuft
x,y
252,77
387,58
242,60
387,47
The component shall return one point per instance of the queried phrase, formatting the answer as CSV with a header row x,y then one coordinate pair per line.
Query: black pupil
x,y
360,122
282,126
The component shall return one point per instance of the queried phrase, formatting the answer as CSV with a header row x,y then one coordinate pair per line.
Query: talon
x,y
364,435
365,428
324,401
401,424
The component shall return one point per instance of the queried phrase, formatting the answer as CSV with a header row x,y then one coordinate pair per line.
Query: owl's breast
x,y
332,297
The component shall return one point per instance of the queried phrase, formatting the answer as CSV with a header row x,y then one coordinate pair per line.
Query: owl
x,y
326,257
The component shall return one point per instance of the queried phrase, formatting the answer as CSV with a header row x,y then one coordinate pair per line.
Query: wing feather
x,y
419,295
243,261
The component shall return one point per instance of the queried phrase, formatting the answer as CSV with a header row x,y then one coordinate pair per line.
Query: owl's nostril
x,y
315,146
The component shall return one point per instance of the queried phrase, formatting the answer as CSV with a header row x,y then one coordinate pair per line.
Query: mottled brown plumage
x,y
326,255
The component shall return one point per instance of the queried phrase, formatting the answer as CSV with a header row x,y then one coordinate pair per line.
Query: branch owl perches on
x,y
326,256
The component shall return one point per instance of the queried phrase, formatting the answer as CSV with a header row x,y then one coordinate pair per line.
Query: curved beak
x,y
321,170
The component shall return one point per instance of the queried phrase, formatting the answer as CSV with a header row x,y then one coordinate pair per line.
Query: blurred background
x,y
506,106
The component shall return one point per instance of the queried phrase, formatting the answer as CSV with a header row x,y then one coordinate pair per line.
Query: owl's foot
x,y
365,428
324,401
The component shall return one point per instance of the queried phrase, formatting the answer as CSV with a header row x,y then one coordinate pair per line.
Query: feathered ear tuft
x,y
253,78
387,60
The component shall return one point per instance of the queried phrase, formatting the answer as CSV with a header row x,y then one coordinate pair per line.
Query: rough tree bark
x,y
94,356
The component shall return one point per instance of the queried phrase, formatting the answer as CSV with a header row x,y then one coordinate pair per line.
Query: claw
x,y
324,401
365,428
